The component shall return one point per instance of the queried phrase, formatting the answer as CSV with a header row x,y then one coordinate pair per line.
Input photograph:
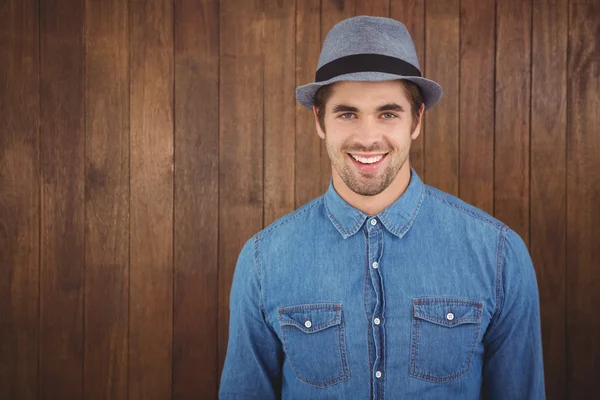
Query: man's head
x,y
368,128
368,98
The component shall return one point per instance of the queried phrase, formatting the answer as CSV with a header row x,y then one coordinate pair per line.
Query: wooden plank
x,y
151,202
196,199
477,51
19,199
548,182
583,188
308,144
241,142
412,14
106,200
332,12
377,8
62,230
513,70
279,111
442,65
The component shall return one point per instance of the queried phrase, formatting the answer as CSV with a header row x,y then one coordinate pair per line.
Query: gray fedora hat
x,y
368,49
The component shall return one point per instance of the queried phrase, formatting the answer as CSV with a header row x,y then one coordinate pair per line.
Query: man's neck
x,y
373,205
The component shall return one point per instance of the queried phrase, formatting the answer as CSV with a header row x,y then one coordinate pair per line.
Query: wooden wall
x,y
143,142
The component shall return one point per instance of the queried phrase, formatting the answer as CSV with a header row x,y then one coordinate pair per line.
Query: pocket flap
x,y
447,311
311,318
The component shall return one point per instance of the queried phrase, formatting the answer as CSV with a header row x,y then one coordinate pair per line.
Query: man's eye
x,y
388,115
346,115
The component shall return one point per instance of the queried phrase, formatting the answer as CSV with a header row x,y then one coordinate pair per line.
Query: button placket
x,y
375,237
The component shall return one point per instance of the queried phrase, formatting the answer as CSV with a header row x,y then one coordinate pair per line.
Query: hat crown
x,y
368,35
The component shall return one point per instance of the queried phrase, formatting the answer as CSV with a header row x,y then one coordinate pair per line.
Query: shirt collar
x,y
397,217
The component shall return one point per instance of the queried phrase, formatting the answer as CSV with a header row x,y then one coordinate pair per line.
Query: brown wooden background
x,y
142,143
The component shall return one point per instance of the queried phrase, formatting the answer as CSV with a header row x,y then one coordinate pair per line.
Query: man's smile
x,y
367,163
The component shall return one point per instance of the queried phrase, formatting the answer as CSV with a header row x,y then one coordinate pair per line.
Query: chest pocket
x,y
314,342
445,331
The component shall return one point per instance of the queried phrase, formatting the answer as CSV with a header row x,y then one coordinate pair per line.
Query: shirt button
x,y
373,222
378,374
449,316
375,265
308,324
376,321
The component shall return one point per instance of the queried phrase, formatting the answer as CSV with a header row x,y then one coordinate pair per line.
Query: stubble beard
x,y
367,184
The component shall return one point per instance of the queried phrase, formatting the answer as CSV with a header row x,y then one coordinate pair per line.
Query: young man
x,y
383,287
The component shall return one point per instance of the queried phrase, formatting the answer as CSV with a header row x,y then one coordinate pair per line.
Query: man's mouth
x,y
367,159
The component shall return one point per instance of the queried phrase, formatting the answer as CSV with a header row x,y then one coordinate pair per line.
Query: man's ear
x,y
318,125
417,130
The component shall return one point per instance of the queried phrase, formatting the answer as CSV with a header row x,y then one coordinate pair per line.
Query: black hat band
x,y
365,63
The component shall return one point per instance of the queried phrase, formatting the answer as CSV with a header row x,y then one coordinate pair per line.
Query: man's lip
x,y
367,155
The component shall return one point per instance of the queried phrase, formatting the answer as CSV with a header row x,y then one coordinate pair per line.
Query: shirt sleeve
x,y
513,366
252,367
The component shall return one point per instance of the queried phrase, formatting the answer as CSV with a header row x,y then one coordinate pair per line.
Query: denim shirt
x,y
430,299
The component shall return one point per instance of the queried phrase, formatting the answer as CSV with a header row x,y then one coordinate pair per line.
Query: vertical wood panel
x,y
241,142
196,198
332,12
19,199
548,181
412,14
279,111
583,187
442,60
513,69
106,303
62,238
378,8
308,143
151,204
477,45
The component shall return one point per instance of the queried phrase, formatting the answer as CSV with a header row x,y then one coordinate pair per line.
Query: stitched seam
x,y
323,384
436,300
335,222
303,307
435,379
286,220
499,263
495,224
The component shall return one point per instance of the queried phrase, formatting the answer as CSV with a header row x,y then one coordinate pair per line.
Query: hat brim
x,y
431,90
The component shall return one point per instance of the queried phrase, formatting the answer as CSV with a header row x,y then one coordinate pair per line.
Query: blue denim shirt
x,y
430,299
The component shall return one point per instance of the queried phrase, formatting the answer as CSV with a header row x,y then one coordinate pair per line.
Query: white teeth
x,y
367,160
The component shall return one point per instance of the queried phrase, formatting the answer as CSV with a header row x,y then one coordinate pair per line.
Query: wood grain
x,y
241,142
332,12
442,65
583,212
19,199
412,14
476,105
377,8
196,199
62,155
151,200
548,182
513,77
308,143
279,112
106,303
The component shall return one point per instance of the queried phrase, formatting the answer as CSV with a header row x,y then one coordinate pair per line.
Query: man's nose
x,y
369,131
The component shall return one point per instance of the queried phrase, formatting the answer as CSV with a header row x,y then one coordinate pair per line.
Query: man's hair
x,y
413,91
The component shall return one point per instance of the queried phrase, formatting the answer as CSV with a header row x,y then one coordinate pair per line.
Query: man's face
x,y
368,132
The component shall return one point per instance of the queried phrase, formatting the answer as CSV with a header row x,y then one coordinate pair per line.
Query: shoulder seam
x,y
498,225
265,232
499,269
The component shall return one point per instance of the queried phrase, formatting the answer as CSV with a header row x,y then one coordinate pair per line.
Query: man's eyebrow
x,y
344,108
390,107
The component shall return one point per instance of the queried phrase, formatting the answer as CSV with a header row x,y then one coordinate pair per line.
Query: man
x,y
383,287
